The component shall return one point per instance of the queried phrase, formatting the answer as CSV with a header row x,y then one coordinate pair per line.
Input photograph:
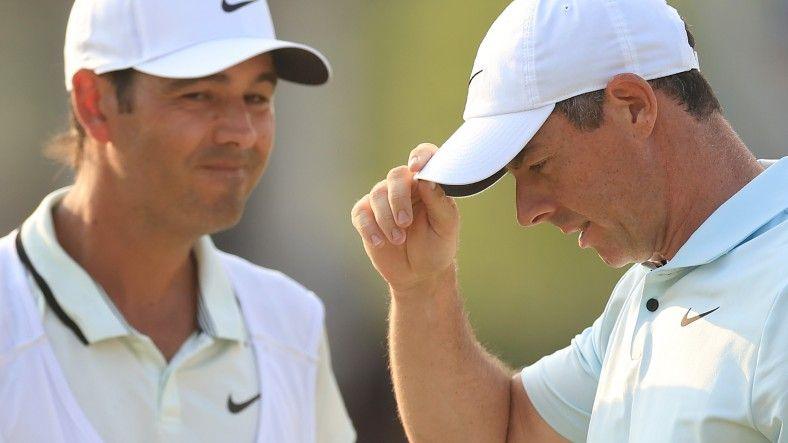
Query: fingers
x,y
400,183
381,208
364,222
384,214
420,155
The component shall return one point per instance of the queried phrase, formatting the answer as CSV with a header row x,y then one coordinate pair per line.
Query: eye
x,y
536,167
256,99
197,96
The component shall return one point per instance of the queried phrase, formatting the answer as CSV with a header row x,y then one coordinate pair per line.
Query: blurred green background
x,y
400,76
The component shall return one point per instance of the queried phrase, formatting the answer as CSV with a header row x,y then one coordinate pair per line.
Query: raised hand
x,y
409,227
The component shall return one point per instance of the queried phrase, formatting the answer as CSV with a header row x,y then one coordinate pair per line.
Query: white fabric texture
x,y
179,39
300,400
538,53
641,376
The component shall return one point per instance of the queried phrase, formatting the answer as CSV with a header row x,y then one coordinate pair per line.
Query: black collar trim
x,y
45,289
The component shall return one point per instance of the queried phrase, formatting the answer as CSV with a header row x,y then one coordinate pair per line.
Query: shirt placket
x,y
656,284
169,413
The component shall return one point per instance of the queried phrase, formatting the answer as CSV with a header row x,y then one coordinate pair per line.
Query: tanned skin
x,y
448,387
180,164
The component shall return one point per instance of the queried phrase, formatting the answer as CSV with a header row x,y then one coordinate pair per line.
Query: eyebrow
x,y
525,152
181,83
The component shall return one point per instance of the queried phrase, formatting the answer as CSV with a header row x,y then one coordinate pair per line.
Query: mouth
x,y
569,229
224,165
582,239
232,171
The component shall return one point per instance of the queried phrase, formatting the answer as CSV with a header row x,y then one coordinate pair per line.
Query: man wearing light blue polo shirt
x,y
120,321
598,110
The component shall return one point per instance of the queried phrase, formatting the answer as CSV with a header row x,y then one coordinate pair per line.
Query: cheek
x,y
589,187
166,143
180,139
266,131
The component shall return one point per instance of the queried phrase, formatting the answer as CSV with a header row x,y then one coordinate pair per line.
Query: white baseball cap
x,y
539,52
182,39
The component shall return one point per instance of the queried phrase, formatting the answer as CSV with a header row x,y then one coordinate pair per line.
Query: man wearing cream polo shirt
x,y
206,392
120,321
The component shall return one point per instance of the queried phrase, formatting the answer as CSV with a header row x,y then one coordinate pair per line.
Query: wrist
x,y
427,287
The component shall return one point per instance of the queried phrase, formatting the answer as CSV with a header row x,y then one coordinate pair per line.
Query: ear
x,y
632,101
88,101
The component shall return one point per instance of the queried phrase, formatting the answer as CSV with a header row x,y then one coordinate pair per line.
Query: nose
x,y
235,125
533,207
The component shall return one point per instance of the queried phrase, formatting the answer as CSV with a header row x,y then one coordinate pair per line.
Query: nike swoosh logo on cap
x,y
474,75
685,321
226,7
238,407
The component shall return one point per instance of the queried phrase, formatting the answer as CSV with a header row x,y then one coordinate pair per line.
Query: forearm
x,y
448,387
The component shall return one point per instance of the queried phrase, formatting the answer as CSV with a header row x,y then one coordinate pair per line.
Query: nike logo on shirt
x,y
685,321
238,407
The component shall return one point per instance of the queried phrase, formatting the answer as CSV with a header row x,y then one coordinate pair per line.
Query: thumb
x,y
441,210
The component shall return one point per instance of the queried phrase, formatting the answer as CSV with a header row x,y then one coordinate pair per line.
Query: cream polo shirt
x,y
693,351
128,391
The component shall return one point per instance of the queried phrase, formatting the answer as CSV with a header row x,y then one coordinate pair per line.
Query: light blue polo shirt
x,y
693,351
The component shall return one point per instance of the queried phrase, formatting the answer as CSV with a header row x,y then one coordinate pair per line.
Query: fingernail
x,y
376,240
413,161
403,217
396,235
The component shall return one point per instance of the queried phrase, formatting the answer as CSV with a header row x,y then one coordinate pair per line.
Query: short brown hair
x,y
67,147
688,88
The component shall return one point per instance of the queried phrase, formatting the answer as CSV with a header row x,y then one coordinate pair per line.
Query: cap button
x,y
652,304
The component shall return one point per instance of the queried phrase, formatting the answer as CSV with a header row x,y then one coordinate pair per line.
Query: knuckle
x,y
397,173
425,148
364,222
380,190
358,208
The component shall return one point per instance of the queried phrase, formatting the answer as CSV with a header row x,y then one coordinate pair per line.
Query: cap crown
x,y
539,52
107,35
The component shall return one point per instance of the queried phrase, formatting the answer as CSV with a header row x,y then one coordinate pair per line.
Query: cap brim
x,y
294,62
476,155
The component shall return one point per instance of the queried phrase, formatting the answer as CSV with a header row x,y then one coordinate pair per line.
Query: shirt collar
x,y
217,297
737,219
86,303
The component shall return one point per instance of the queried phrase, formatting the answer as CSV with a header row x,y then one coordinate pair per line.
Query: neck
x,y
707,164
138,264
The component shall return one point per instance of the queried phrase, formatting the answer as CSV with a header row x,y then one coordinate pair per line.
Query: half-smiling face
x,y
603,183
191,151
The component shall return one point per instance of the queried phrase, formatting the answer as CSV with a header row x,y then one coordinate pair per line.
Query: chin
x,y
614,259
208,215
224,223
224,216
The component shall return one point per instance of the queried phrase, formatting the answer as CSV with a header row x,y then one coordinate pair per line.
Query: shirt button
x,y
652,304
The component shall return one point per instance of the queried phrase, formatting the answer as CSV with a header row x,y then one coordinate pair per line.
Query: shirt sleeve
x,y
770,382
333,422
562,386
